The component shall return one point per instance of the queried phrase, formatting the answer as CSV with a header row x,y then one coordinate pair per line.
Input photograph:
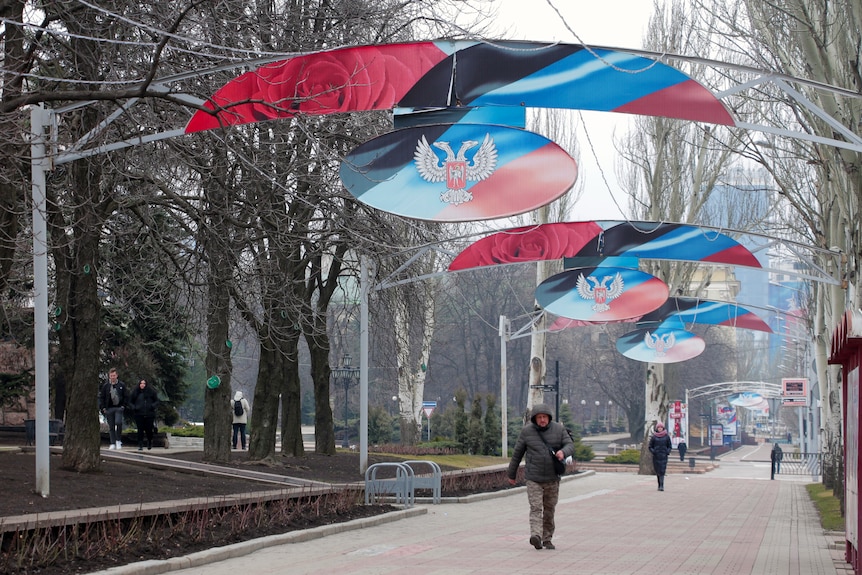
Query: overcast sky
x,y
612,23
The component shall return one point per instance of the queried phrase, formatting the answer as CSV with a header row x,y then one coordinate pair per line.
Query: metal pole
x,y
39,164
504,404
557,386
345,443
363,364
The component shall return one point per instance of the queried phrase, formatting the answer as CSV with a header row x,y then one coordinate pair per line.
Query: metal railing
x,y
796,463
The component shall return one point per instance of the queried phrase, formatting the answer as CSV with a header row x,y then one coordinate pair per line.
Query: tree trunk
x,y
218,421
412,364
324,427
291,409
81,442
656,411
264,418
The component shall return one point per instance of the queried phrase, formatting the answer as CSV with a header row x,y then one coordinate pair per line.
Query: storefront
x,y
847,352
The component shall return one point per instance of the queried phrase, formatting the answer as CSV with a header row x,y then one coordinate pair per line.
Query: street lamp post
x,y
598,415
583,417
607,415
708,417
347,375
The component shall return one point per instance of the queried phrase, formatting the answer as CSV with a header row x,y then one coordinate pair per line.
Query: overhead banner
x,y
457,73
601,294
661,345
458,172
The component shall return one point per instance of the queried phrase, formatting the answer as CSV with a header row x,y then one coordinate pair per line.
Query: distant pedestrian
x,y
682,449
240,408
112,404
540,441
660,446
143,402
777,455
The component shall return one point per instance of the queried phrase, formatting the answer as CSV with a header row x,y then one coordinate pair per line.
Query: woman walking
x,y
660,446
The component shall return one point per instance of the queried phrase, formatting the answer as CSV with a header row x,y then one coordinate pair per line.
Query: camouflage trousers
x,y
543,502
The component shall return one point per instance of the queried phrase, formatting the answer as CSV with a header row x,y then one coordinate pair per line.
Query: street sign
x,y
794,392
428,407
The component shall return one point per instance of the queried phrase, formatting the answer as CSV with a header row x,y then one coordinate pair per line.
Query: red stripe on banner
x,y
687,100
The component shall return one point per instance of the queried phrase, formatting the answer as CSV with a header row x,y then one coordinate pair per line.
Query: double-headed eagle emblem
x,y
600,292
660,343
456,170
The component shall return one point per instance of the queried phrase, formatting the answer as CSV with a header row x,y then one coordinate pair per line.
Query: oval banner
x,y
458,172
601,294
660,345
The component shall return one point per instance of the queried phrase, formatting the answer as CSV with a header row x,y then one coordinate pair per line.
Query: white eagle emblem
x,y
660,343
456,170
599,291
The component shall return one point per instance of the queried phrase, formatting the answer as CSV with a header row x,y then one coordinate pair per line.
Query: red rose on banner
x,y
347,80
544,242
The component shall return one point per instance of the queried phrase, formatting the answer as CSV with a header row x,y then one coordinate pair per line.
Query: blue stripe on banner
x,y
585,82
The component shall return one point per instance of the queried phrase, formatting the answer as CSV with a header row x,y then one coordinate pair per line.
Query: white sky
x,y
611,23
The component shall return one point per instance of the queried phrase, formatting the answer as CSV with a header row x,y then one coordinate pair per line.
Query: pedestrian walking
x,y
777,455
112,404
240,409
541,442
660,447
682,449
143,402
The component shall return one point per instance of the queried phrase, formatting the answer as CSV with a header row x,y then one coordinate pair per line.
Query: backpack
x,y
237,408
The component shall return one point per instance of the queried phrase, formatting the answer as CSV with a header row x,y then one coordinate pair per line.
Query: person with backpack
x,y
240,408
545,444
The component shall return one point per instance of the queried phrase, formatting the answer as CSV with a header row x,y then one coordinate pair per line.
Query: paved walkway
x,y
732,520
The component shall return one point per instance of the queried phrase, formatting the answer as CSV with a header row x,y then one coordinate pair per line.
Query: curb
x,y
200,558
156,567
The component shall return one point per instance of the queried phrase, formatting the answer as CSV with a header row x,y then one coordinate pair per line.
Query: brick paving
x,y
732,520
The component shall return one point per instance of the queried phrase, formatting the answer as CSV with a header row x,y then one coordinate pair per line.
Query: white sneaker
x,y
112,446
119,444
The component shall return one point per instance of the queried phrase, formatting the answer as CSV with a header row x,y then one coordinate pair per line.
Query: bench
x,y
56,431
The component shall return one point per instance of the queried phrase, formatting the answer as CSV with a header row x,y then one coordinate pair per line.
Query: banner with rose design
x,y
600,240
456,73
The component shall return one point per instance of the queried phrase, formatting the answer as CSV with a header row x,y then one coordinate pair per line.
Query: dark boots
x,y
661,482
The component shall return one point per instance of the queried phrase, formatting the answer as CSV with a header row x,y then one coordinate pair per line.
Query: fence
x,y
796,463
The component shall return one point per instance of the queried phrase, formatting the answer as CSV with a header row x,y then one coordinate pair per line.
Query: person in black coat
x,y
143,402
540,442
660,446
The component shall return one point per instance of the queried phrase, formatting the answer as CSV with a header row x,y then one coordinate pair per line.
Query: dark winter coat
x,y
539,466
105,396
144,401
660,447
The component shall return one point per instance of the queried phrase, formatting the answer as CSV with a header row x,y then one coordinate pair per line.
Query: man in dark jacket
x,y
112,404
540,441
